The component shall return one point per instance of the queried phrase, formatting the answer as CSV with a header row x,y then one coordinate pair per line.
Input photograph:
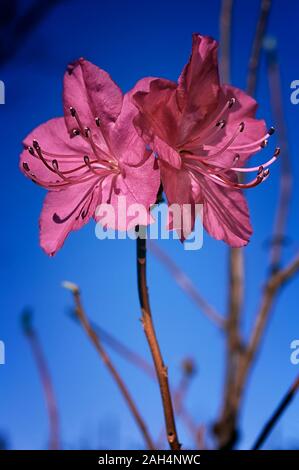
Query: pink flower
x,y
203,134
91,156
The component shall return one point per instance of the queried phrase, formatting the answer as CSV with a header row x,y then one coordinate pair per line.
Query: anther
x,y
221,123
231,102
30,150
75,132
97,120
55,165
242,125
72,111
36,144
264,143
276,152
26,166
86,131
271,130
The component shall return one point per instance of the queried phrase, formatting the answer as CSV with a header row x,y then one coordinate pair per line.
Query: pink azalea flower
x,y
203,134
91,156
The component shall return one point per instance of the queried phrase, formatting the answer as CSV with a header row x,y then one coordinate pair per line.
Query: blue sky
x,y
130,40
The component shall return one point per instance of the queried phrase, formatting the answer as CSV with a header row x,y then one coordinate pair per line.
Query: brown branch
x,y
108,363
188,372
271,290
179,395
276,415
150,333
123,351
42,366
257,46
225,38
186,284
285,162
226,426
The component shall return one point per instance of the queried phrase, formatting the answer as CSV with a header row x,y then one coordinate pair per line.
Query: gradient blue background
x,y
131,39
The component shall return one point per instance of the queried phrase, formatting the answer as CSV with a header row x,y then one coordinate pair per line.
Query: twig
x,y
225,38
272,287
150,333
186,284
188,372
123,350
225,428
276,415
179,394
286,171
257,46
54,441
108,363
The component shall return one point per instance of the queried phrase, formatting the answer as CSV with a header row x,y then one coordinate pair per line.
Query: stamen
x,y
210,130
265,165
262,141
239,129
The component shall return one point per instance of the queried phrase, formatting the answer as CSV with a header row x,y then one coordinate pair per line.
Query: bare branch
x,y
225,428
45,376
276,415
225,38
271,290
108,363
257,46
285,162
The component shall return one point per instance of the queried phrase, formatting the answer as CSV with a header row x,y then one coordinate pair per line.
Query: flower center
x,y
201,162
75,169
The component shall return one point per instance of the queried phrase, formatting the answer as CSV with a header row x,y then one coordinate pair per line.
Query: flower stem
x,y
150,333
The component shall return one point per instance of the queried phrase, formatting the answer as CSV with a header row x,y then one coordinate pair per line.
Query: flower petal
x,y
159,114
55,144
92,92
225,214
64,211
198,85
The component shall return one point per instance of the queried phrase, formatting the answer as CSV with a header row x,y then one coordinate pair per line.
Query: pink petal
x,y
159,114
198,84
225,214
53,138
128,145
92,92
180,190
64,211
137,191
